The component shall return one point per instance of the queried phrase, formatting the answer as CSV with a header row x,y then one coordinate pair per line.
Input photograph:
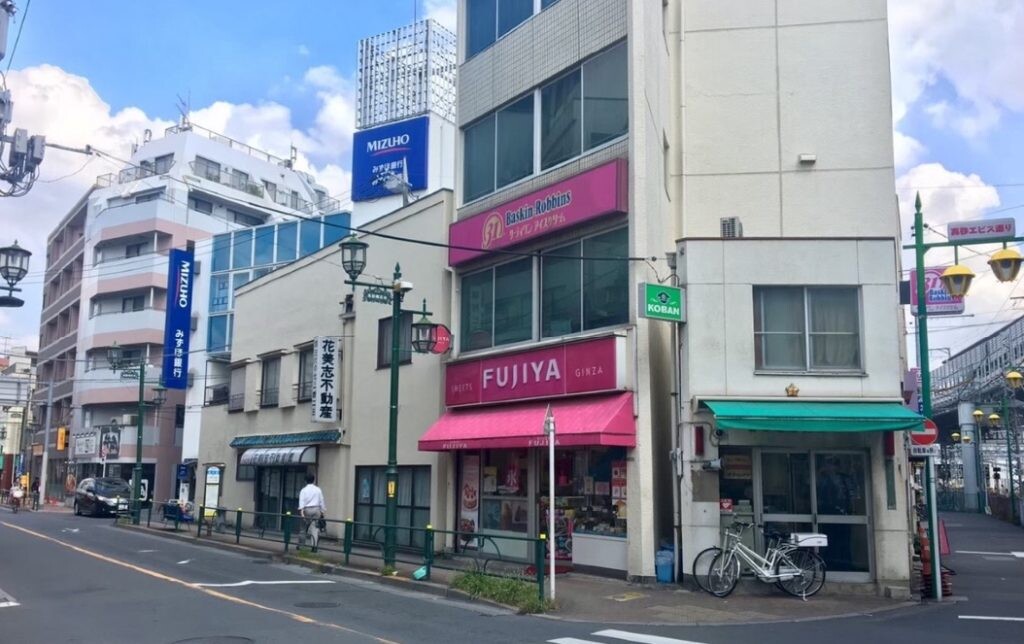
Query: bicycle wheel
x,y
701,566
811,576
724,574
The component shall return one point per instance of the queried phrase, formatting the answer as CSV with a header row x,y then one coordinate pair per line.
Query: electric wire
x,y
17,38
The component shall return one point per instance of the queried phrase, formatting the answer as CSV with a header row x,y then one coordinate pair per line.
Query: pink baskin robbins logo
x,y
595,193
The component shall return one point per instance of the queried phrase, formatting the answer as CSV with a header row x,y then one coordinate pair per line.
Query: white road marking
x,y
1019,555
249,582
572,640
641,638
992,618
183,561
981,552
145,551
9,604
72,530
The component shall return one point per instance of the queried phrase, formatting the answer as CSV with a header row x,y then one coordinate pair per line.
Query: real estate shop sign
x,y
937,299
325,379
178,321
562,370
589,195
396,148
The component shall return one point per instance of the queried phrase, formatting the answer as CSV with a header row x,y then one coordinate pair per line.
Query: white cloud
x,y
946,195
302,50
907,150
974,45
442,11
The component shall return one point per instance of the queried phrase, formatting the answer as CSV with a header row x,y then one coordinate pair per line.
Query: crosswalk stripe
x,y
992,618
572,640
641,638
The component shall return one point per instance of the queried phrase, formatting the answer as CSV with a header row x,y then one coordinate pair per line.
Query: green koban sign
x,y
659,302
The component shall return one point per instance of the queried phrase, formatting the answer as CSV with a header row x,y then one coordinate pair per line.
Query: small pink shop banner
x,y
592,194
562,370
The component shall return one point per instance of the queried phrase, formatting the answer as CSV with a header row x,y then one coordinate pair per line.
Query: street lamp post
x,y
982,489
13,267
424,337
119,363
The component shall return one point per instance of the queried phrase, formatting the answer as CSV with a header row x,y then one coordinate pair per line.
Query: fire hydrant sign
x,y
658,302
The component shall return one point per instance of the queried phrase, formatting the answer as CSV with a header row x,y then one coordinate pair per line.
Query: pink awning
x,y
580,421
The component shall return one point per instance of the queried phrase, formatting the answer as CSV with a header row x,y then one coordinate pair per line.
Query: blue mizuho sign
x,y
387,149
178,323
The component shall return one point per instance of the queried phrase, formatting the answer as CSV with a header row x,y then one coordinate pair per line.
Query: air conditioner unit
x,y
194,324
129,420
191,377
197,268
732,227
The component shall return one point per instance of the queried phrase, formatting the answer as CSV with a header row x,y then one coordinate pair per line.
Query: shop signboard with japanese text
x,y
937,299
110,443
990,230
178,320
396,149
325,379
562,370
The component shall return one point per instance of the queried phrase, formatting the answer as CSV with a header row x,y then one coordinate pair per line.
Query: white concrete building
x,y
107,272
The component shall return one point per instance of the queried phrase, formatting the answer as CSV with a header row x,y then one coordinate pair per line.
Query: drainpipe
x,y
675,457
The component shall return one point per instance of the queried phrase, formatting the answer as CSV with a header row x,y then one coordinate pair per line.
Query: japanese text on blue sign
x,y
177,324
397,149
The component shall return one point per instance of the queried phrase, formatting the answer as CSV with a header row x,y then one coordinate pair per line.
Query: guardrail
x,y
429,547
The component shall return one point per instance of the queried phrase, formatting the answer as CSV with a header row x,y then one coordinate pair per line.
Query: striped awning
x,y
283,440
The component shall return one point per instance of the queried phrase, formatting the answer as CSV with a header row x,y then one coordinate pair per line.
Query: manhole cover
x,y
216,639
317,605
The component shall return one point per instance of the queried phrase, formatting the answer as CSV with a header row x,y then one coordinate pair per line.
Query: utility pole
x,y
46,442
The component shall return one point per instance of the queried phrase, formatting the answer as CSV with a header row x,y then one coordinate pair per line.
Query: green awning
x,y
813,416
280,440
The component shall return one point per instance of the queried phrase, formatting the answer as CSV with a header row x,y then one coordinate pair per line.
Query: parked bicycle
x,y
786,562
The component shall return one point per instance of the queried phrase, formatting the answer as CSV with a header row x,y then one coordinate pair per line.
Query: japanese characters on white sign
x,y
982,229
325,379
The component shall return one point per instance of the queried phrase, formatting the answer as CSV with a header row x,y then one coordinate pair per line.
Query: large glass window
x,y
513,302
478,159
511,13
238,280
221,253
241,249
264,245
477,310
305,375
605,280
560,120
515,141
219,293
806,329
384,341
287,236
270,382
560,291
412,494
309,237
605,103
335,227
217,338
488,20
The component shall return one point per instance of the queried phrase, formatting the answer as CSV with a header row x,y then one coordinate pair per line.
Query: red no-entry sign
x,y
928,436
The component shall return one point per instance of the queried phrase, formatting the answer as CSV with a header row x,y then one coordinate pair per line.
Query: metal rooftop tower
x,y
406,72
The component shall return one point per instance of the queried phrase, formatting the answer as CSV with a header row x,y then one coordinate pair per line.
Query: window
x,y
309,236
305,375
244,472
162,165
133,303
217,336
488,20
271,189
287,234
236,401
497,305
134,250
580,295
336,226
413,495
245,219
270,381
264,242
200,205
219,293
242,249
579,111
807,329
384,341
239,179
207,169
148,196
179,415
221,253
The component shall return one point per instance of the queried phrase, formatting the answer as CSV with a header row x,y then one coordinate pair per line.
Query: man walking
x,y
311,507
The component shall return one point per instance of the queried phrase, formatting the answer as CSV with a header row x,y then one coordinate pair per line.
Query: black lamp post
x,y
424,334
115,356
13,267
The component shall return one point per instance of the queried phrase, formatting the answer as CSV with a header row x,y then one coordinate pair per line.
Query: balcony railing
x,y
236,402
268,397
304,391
217,395
228,141
230,179
128,175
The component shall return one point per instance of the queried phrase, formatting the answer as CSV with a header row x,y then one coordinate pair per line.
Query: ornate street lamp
x,y
957,279
13,267
353,257
424,333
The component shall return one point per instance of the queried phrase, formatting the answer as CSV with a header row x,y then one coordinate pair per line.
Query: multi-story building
x,y
17,378
107,283
595,133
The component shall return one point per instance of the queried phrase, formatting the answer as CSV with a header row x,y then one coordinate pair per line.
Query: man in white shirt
x,y
311,507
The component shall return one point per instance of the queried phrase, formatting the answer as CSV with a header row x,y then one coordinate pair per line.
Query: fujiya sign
x,y
659,302
582,367
982,230
937,299
592,194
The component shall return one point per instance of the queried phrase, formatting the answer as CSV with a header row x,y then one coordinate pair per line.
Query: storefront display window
x,y
504,501
413,503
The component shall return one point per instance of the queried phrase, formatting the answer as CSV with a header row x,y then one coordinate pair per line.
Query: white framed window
x,y
807,328
133,303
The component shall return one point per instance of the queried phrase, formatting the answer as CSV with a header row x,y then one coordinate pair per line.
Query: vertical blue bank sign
x,y
389,149
178,324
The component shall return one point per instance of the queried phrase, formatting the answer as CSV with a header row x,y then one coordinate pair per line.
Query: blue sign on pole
x,y
389,150
178,323
182,472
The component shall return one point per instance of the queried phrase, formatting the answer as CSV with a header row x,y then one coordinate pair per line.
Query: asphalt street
x,y
78,579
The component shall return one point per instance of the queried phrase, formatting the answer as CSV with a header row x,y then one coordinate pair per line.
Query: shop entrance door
x,y
820,491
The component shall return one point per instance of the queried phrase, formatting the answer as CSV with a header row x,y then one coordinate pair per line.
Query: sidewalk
x,y
585,598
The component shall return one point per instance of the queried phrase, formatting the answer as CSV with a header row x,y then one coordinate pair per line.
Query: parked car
x,y
96,496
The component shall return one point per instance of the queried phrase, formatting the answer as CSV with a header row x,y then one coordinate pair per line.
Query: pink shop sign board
x,y
592,194
562,370
937,299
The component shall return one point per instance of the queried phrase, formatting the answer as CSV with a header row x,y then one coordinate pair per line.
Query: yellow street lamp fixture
x,y
967,439
1005,264
978,415
993,419
956,437
1015,380
957,279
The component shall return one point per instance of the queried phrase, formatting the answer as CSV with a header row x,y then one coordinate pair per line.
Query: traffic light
x,y
62,438
996,473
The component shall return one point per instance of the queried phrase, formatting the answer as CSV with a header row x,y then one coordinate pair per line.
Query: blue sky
x,y
280,74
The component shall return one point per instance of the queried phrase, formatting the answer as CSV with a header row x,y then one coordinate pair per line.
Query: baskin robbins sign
x,y
595,193
391,149
562,370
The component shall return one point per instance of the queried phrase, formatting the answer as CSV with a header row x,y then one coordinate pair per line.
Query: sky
x,y
282,74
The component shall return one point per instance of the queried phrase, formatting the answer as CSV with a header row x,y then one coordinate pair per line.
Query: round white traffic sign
x,y
928,436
